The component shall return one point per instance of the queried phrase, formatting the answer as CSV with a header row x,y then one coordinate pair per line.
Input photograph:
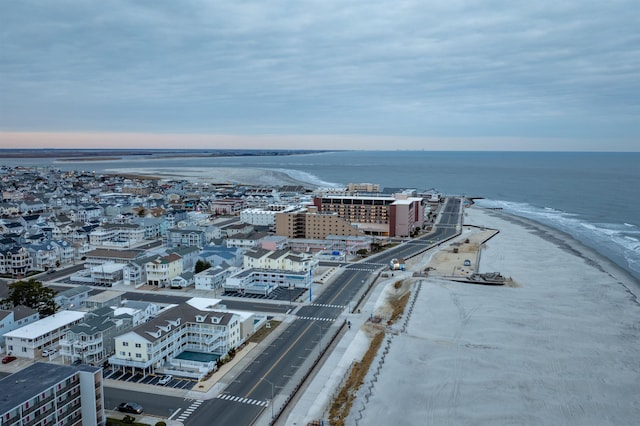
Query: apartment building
x,y
309,224
284,260
159,343
50,394
397,215
91,341
264,281
27,341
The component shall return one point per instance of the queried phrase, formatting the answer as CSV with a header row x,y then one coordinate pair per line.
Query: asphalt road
x,y
159,405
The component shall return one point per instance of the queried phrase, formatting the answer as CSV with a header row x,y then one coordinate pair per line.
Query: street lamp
x,y
271,396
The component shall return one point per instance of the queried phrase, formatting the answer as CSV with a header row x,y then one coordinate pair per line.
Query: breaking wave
x,y
620,242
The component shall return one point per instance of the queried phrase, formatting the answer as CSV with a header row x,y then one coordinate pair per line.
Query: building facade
x,y
156,344
28,340
50,394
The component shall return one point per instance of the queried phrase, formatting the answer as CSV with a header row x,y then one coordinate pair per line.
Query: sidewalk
x,y
313,402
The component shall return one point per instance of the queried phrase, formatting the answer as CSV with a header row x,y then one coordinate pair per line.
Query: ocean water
x,y
594,197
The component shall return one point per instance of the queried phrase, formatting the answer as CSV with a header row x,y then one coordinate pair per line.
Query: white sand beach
x,y
235,175
561,347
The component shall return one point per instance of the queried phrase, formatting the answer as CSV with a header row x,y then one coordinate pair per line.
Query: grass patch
x,y
341,405
398,307
261,334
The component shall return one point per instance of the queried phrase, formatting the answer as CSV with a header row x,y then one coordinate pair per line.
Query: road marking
x,y
322,305
187,412
228,397
295,342
316,319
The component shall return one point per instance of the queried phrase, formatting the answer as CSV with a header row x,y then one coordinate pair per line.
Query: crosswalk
x,y
186,413
322,305
317,319
233,398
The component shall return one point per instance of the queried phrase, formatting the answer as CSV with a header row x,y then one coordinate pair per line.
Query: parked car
x,y
7,359
130,407
49,351
165,380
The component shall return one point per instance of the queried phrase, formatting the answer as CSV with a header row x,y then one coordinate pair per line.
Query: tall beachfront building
x,y
342,214
52,394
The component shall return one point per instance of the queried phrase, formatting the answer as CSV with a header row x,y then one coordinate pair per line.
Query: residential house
x,y
14,318
162,270
246,241
214,277
73,298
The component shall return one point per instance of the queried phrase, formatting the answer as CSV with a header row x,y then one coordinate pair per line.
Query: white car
x,y
49,351
166,379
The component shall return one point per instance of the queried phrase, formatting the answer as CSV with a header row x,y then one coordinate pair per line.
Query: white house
x,y
15,318
214,277
28,340
158,343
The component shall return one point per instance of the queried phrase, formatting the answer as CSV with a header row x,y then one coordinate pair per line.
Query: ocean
x,y
594,197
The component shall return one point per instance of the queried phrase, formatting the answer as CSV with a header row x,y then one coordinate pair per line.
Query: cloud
x,y
405,68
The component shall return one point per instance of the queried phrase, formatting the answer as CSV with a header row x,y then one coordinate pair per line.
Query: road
x,y
241,401
245,398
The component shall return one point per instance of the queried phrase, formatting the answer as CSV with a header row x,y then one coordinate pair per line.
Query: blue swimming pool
x,y
198,356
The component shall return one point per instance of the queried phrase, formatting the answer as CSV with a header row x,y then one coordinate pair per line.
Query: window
x,y
138,355
138,345
125,343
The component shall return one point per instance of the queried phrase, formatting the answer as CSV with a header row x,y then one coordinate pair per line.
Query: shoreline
x,y
217,175
570,244
560,348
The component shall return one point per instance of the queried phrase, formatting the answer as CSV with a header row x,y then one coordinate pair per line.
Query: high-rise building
x,y
52,394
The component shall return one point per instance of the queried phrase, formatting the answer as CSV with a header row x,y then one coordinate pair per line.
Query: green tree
x,y
202,265
33,294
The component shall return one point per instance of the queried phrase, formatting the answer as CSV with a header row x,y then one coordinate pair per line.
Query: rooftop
x,y
46,325
33,380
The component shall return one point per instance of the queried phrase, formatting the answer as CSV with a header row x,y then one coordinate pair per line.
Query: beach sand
x,y
235,175
559,348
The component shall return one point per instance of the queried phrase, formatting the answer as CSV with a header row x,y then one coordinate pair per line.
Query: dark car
x,y
7,359
130,407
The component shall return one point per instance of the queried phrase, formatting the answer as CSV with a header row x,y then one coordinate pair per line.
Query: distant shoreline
x,y
68,155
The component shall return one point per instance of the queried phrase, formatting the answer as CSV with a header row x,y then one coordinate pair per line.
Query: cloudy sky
x,y
361,74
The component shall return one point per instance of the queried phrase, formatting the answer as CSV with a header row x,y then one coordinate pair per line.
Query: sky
x,y
321,74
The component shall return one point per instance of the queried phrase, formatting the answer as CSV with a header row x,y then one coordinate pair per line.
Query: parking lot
x,y
176,382
280,293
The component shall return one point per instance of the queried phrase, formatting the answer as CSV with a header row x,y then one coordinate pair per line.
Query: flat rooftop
x,y
33,380
46,325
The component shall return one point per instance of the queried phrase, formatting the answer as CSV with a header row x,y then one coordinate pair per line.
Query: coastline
x,y
238,175
560,348
571,245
